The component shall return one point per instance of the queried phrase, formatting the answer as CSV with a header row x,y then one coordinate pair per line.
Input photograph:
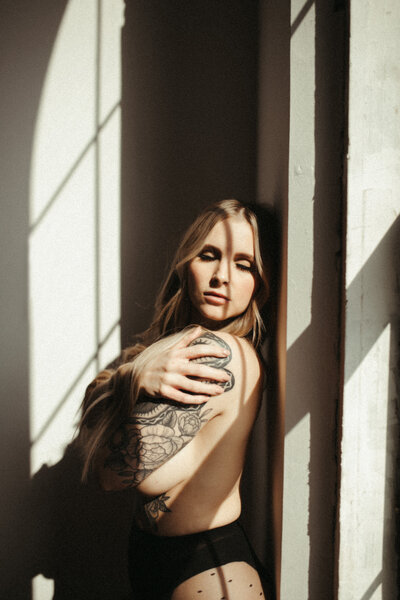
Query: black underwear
x,y
158,564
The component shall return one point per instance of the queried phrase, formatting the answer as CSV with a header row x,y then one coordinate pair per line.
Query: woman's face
x,y
222,277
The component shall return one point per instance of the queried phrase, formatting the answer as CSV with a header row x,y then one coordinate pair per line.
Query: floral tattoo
x,y
157,430
153,508
153,435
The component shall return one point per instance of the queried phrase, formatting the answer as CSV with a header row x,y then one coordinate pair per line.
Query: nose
x,y
221,274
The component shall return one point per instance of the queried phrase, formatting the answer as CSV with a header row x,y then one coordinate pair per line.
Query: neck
x,y
196,319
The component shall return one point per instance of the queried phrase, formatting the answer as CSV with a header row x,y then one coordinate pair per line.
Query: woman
x,y
175,418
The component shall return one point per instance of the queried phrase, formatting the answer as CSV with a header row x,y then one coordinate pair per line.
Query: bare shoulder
x,y
237,346
242,362
240,349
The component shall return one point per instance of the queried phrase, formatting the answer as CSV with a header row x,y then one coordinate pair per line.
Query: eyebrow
x,y
244,256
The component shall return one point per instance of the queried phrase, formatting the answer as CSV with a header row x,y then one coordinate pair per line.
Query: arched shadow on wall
x,y
53,525
164,165
189,108
28,31
189,137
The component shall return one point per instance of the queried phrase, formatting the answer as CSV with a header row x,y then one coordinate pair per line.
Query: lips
x,y
215,298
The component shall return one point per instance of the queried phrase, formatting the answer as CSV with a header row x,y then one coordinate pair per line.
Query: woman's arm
x,y
187,372
157,430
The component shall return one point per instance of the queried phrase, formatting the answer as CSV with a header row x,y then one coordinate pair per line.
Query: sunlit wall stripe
x,y
74,216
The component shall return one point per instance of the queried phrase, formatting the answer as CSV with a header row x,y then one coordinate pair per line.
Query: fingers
x,y
199,387
189,337
190,391
201,371
182,398
199,350
205,350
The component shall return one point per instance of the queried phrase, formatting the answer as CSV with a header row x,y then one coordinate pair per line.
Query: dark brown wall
x,y
189,123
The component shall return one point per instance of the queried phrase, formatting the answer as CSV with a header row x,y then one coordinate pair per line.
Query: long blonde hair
x,y
173,305
110,398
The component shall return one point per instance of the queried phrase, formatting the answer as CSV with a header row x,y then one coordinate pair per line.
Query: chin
x,y
213,321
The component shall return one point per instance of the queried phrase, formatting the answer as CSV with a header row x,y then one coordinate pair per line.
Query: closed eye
x,y
209,253
245,267
206,256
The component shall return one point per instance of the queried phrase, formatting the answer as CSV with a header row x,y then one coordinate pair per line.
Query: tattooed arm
x,y
158,430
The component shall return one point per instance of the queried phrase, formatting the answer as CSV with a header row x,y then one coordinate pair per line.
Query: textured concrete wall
x,y
369,451
314,247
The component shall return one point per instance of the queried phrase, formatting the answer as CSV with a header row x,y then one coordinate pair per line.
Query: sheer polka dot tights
x,y
234,581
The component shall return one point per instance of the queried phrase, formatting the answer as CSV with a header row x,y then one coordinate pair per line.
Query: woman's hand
x,y
170,374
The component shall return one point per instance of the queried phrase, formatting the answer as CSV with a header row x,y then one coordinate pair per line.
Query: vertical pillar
x,y
367,558
313,333
295,540
273,152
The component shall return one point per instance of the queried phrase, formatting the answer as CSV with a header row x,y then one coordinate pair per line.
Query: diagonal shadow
x,y
368,291
301,16
313,359
73,168
73,385
372,588
370,281
383,255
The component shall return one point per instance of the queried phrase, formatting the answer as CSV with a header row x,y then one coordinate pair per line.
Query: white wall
x,y
313,308
296,542
369,451
26,39
74,238
74,241
60,241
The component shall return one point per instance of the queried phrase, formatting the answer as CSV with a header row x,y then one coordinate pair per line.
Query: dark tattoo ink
x,y
156,431
151,436
154,507
215,361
